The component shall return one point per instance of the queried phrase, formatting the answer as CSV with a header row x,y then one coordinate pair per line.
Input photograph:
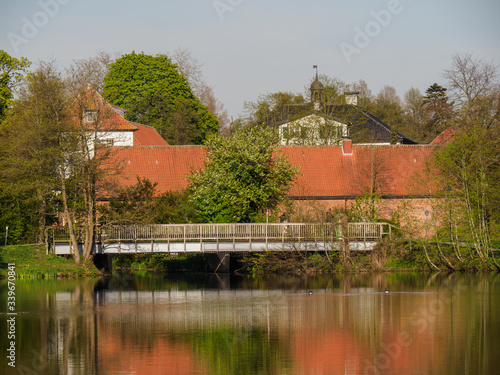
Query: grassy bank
x,y
32,261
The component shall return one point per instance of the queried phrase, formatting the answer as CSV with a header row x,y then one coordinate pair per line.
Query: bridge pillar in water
x,y
219,262
103,262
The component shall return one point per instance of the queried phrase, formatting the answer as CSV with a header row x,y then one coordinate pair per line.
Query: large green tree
x,y
29,142
153,92
470,166
46,146
11,71
244,175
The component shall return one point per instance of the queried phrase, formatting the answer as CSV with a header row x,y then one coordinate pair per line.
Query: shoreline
x,y
32,261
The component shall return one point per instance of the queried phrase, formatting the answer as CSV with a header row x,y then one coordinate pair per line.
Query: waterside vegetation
x,y
243,180
32,261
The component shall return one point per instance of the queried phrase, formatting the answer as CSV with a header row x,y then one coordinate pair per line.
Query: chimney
x,y
351,98
347,146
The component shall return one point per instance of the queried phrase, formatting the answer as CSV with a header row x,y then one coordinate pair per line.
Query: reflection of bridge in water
x,y
200,308
214,238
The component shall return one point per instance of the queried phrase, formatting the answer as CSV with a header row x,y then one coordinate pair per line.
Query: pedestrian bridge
x,y
214,238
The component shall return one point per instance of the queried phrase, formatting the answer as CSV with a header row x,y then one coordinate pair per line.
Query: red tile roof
x,y
446,136
166,165
111,119
325,172
147,136
109,116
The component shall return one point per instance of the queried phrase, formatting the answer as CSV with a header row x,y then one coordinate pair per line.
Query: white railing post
x,y
184,229
299,233
267,247
249,231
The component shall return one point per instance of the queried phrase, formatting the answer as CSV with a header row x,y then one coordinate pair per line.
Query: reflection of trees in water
x,y
251,350
54,328
258,325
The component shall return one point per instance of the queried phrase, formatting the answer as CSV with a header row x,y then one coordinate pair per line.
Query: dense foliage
x,y
469,167
141,204
45,171
243,176
153,92
29,148
11,72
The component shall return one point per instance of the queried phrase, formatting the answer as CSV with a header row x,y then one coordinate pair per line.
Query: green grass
x,y
32,262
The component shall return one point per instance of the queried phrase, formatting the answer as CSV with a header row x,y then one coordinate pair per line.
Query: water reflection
x,y
209,324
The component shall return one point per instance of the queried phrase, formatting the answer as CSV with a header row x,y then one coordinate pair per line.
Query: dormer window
x,y
89,116
107,142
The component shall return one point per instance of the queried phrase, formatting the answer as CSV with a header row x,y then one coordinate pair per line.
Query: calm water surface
x,y
208,324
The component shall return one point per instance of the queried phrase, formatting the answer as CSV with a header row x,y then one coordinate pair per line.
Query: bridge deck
x,y
176,238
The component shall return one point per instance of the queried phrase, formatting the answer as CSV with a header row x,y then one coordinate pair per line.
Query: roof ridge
x,y
137,123
375,118
160,146
107,104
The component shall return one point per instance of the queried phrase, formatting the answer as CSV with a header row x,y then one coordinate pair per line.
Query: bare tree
x,y
414,113
387,106
372,181
388,94
365,94
214,105
88,167
89,71
413,105
470,78
190,67
475,85
333,89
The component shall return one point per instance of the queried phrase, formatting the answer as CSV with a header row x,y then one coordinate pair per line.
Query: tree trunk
x,y
42,208
69,219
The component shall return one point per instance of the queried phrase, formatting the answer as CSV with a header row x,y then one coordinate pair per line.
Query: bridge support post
x,y
219,262
103,262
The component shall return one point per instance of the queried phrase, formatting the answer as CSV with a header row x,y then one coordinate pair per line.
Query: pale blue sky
x,y
251,47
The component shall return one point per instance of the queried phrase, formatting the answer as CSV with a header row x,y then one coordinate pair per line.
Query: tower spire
x,y
316,91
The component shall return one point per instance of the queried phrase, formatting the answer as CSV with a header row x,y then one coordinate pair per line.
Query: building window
x,y
106,142
89,116
285,132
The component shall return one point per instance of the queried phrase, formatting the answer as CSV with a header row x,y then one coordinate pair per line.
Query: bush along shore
x,y
388,256
32,261
395,255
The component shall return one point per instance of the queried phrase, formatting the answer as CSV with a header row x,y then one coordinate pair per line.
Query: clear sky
x,y
252,47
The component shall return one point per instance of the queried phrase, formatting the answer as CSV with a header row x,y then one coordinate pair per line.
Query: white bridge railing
x,y
220,233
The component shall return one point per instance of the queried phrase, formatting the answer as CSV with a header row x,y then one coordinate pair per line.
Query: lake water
x,y
209,324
